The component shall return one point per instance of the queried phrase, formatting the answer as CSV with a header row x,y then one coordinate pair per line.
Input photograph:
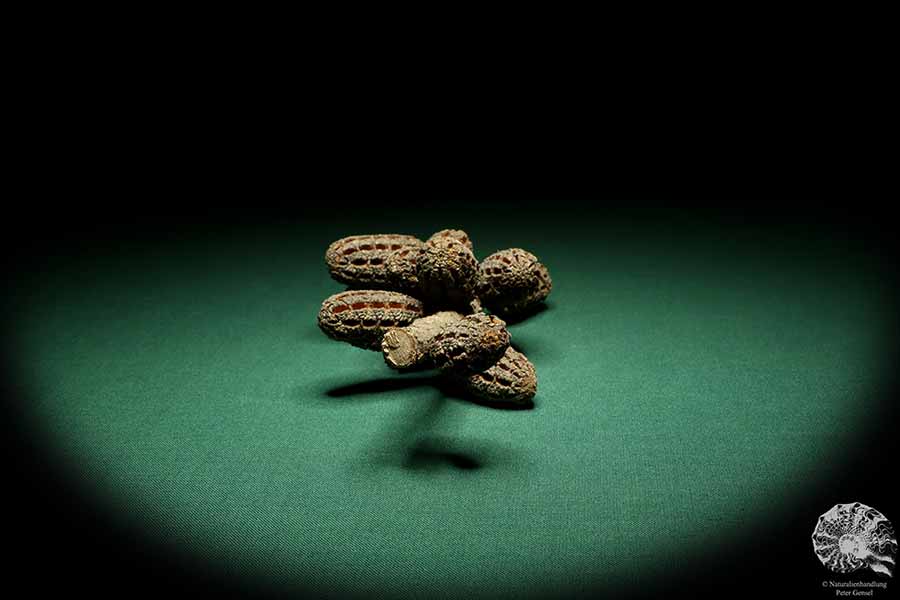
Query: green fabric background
x,y
688,381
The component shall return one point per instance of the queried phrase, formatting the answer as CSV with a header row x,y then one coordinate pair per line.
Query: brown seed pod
x,y
470,344
360,260
512,379
456,234
362,317
447,272
511,282
408,347
516,306
401,270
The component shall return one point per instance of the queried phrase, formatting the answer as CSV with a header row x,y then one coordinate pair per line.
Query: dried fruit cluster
x,y
422,305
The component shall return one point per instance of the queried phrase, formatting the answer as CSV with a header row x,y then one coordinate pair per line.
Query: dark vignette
x,y
162,180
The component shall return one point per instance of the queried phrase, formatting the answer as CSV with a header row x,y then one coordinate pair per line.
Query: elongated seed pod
x,y
447,272
512,379
362,317
456,234
360,260
409,347
471,344
511,282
